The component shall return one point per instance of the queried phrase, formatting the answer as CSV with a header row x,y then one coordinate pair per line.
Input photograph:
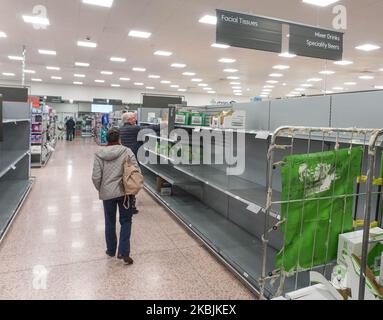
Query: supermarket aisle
x,y
55,248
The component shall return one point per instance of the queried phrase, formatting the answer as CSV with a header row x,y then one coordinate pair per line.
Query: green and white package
x,y
317,206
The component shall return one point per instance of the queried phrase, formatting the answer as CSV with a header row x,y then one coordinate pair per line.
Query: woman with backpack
x,y
116,175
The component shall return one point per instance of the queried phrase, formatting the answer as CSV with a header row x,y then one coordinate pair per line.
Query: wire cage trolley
x,y
322,183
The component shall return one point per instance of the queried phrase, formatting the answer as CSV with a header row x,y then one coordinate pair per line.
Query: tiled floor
x,y
55,248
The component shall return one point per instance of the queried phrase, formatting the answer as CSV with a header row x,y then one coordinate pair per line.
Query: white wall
x,y
87,93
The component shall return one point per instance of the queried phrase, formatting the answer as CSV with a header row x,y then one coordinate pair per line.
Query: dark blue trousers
x,y
110,210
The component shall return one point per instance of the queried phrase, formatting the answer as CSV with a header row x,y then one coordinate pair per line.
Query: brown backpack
x,y
132,179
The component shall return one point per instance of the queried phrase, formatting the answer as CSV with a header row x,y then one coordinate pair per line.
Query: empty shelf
x,y
234,186
12,194
169,174
8,159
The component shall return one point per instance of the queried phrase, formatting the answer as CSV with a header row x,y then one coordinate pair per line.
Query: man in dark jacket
x,y
70,127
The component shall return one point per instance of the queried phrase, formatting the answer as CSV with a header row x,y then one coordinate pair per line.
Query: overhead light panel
x,y
36,20
174,86
108,73
77,82
16,58
378,87
3,34
117,59
366,77
350,83
281,67
137,69
232,78
30,71
196,80
314,80
154,76
100,3
78,75
190,74
367,47
230,70
139,34
178,65
87,44
236,87
124,79
56,78
163,53
276,75
82,64
272,81
227,60
207,89
47,52
36,80
235,83
220,46
212,92
53,68
115,85
208,19
338,88
203,85
8,74
343,63
181,90
165,81
327,72
287,55
138,84
269,87
320,3
150,88
99,81
307,85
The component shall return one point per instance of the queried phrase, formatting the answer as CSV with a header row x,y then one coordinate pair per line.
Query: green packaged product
x,y
197,119
182,117
317,206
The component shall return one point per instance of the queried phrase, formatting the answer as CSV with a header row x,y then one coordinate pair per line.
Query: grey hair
x,y
127,116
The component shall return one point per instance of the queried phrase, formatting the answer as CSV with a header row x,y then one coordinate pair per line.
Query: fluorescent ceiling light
x,y
36,20
343,62
211,92
117,59
3,34
287,55
53,68
230,70
30,71
327,91
227,60
166,81
295,92
381,69
138,84
154,76
300,89
367,47
178,65
115,85
77,75
36,80
77,82
272,81
8,74
232,78
268,87
366,77
190,74
350,83
196,80
181,90
267,90
235,82
208,19
100,3
139,69
16,58
203,85
56,78
220,46
236,87
108,73
314,80
338,88
150,88
47,52
174,86
327,72
307,85
237,91
82,64
238,94
87,44
207,89
139,34
125,79
320,3
99,81
276,75
378,87
163,53
281,67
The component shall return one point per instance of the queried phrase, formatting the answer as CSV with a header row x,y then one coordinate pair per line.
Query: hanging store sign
x,y
267,34
115,102
315,43
246,31
53,99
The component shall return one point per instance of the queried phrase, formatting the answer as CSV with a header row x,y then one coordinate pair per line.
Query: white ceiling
x,y
174,26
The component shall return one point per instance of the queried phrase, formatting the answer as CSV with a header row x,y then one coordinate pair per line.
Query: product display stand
x,y
15,181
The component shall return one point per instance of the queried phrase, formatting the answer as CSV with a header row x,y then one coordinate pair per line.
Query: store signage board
x,y
266,34
11,94
247,31
115,102
53,99
315,42
100,101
